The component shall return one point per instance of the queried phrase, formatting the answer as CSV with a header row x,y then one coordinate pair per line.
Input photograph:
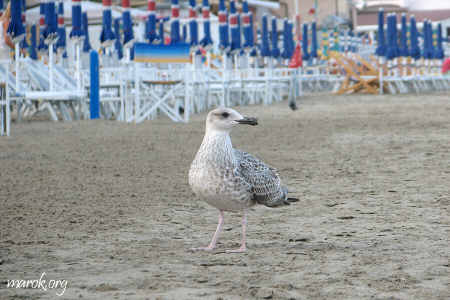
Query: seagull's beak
x,y
248,121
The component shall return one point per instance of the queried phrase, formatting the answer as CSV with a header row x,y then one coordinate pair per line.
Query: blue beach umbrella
x,y
224,41
206,42
305,42
117,41
390,51
24,43
193,25
253,51
175,23
127,23
33,42
184,33
286,47
404,51
2,7
247,27
381,48
85,29
51,32
265,48
76,32
151,35
234,28
439,50
313,40
415,49
161,30
15,28
61,43
42,47
275,49
107,35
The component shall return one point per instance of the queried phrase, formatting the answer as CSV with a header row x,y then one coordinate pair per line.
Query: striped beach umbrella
x,y
305,42
127,23
76,32
175,23
206,42
15,28
381,48
117,41
275,50
85,28
151,35
224,43
107,35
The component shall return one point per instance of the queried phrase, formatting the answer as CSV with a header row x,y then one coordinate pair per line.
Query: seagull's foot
x,y
209,248
240,250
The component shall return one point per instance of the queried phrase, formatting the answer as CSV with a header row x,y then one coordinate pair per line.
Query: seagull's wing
x,y
263,179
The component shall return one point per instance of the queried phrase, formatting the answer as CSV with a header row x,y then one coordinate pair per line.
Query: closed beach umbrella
x,y
381,48
224,43
206,42
76,32
107,35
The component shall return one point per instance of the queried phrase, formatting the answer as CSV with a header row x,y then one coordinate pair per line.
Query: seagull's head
x,y
224,119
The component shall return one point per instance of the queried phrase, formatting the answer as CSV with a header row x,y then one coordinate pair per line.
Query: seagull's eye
x,y
225,115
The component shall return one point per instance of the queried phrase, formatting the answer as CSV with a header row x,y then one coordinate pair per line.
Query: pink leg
x,y
212,245
243,247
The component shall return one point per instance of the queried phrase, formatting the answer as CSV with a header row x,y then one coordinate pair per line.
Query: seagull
x,y
230,179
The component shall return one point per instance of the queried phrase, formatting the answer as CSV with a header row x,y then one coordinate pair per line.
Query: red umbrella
x,y
446,66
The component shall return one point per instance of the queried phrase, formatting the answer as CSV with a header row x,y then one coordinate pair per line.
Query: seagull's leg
x,y
243,247
212,245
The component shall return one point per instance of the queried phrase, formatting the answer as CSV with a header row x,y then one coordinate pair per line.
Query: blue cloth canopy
x,y
381,48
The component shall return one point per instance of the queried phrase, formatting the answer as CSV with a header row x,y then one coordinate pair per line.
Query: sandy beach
x,y
106,206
